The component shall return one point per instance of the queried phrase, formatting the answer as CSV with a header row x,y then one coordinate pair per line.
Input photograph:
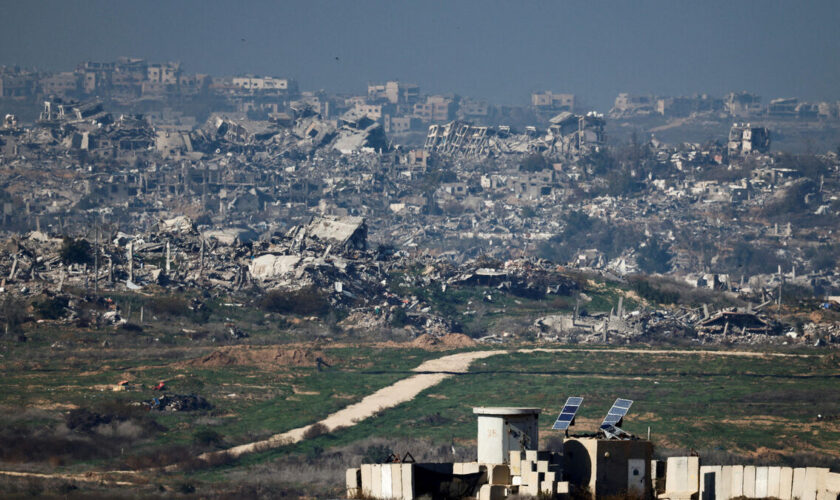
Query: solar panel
x,y
567,414
616,414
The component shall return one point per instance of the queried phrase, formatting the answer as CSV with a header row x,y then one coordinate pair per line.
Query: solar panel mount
x,y
614,418
567,415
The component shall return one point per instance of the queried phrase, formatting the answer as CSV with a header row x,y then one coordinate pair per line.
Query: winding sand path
x,y
430,373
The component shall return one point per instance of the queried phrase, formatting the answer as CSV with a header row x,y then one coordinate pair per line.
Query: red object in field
x,y
160,386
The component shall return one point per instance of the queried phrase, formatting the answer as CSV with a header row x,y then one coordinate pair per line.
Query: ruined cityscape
x,y
219,286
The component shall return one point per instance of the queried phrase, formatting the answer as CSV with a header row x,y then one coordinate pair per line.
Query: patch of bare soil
x,y
448,341
264,357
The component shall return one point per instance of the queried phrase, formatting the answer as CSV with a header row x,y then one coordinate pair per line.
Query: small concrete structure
x,y
505,429
609,467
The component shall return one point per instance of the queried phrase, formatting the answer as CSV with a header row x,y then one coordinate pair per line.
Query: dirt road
x,y
430,373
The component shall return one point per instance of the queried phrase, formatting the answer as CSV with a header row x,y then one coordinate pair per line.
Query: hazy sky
x,y
500,51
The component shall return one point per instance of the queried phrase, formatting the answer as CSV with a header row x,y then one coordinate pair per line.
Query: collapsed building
x,y
745,139
568,135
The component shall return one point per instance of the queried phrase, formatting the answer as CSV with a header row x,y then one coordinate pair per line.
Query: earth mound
x,y
448,341
265,357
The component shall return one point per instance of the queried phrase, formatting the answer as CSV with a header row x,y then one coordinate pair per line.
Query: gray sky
x,y
500,51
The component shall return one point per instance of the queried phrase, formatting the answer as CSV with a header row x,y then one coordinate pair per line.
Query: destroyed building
x,y
568,135
745,139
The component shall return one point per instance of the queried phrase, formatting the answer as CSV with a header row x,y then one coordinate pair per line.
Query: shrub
x,y
50,307
306,301
315,430
207,437
169,305
376,454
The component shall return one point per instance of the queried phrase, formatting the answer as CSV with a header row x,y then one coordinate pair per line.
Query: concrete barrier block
x,y
542,465
562,487
749,481
682,474
387,481
530,489
798,490
547,487
353,482
822,477
761,486
737,484
785,483
832,482
396,480
725,482
550,476
376,481
367,478
710,482
531,455
774,475
407,481
814,482
526,466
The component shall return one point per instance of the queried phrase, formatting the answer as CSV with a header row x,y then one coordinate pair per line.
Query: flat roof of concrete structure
x,y
505,410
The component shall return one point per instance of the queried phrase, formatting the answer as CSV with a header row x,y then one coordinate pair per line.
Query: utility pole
x,y
779,313
96,263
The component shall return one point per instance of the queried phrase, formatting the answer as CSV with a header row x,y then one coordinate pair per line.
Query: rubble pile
x,y
303,135
178,402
